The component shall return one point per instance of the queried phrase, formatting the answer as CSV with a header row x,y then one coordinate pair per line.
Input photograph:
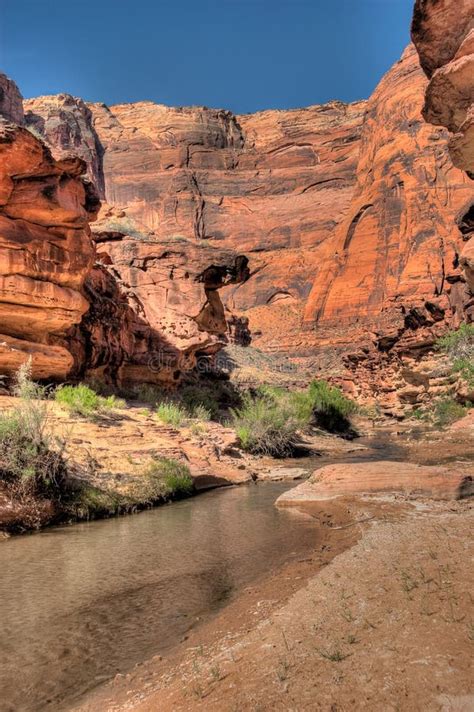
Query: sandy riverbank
x,y
380,617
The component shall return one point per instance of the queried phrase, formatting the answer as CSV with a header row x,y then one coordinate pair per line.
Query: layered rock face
x,y
389,279
155,308
46,249
443,32
353,217
272,185
65,124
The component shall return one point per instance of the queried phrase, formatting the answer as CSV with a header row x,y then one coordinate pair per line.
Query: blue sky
x,y
244,55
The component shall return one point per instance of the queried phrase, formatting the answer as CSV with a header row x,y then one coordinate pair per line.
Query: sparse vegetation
x,y
459,347
335,656
458,344
82,400
31,459
169,479
331,408
171,413
269,422
200,396
447,411
148,393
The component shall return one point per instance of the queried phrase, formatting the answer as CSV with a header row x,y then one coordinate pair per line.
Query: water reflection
x,y
79,604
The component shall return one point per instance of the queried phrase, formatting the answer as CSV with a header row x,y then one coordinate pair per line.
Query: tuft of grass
x,y
82,400
331,408
201,414
447,411
266,426
458,344
198,429
171,413
335,656
268,423
148,393
23,385
169,479
88,501
195,396
32,461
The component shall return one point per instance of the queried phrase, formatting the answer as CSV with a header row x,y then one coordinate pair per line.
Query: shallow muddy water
x,y
79,604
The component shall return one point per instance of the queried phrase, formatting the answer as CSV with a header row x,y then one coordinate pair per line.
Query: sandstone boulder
x,y
380,478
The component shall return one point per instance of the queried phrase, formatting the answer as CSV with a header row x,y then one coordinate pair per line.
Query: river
x,y
80,603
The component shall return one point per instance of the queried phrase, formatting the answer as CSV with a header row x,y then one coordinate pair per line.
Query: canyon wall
x,y
46,249
443,32
131,310
272,185
353,218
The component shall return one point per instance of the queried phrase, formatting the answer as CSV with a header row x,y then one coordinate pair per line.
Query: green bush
x,y
465,368
148,393
201,413
23,385
171,413
458,344
169,478
269,422
266,426
31,460
193,397
82,400
447,411
331,408
459,347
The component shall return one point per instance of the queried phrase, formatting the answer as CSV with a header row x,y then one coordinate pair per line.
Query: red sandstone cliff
x,y
46,249
443,32
348,214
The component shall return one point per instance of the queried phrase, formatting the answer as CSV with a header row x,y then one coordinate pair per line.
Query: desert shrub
x,y
169,479
171,413
419,414
201,413
458,344
331,408
194,396
465,368
82,400
459,347
148,393
266,426
198,428
269,422
23,385
31,459
447,411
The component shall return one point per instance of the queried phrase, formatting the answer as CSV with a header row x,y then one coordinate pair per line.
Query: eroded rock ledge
x,y
443,33
46,249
